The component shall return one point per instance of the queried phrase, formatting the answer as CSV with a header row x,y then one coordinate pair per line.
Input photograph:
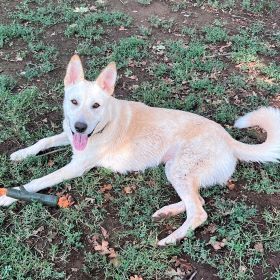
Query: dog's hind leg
x,y
183,172
43,144
172,210
188,192
69,171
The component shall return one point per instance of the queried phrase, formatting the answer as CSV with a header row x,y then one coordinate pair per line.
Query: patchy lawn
x,y
219,59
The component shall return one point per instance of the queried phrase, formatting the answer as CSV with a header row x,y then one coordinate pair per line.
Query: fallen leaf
x,y
184,265
112,254
50,163
108,197
211,228
115,261
65,201
102,248
218,245
104,232
129,189
259,247
135,277
106,188
230,185
93,239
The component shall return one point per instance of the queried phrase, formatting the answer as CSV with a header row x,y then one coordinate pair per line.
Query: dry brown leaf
x,y
218,245
211,228
135,277
129,189
259,247
230,185
65,201
184,266
108,197
102,248
106,188
93,239
115,261
112,254
50,163
104,232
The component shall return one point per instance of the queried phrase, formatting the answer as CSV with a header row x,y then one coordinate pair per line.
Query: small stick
x,y
217,54
53,151
193,275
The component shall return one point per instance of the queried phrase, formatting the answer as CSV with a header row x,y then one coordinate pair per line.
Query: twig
x,y
218,54
122,2
247,18
193,275
53,151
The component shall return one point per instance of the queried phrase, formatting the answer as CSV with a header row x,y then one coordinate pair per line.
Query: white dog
x,y
129,136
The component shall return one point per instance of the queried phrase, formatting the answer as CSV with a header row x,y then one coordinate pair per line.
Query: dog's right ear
x,y
75,72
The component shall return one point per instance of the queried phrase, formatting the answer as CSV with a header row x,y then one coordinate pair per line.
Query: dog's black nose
x,y
80,127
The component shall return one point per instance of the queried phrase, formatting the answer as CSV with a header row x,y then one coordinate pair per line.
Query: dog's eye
x,y
95,105
74,101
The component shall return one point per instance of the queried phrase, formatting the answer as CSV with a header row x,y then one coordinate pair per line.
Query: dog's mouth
x,y
80,140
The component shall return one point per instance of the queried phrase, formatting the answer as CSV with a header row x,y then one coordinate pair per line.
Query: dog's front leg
x,y
43,144
73,169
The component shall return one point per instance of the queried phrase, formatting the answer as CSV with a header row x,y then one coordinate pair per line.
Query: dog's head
x,y
86,104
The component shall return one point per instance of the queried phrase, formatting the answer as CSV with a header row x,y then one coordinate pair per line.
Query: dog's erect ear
x,y
75,72
107,78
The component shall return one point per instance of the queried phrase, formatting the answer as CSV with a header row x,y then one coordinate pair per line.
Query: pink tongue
x,y
80,141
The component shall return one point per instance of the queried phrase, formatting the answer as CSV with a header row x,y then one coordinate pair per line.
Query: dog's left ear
x,y
75,72
107,78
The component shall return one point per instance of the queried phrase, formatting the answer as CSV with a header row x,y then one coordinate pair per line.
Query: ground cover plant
x,y
216,58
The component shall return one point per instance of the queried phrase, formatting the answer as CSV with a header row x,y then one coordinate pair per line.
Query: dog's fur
x,y
129,136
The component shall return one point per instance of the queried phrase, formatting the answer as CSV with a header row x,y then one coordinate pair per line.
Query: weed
x,y
158,22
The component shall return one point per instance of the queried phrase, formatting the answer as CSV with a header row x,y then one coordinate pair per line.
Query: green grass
x,y
178,65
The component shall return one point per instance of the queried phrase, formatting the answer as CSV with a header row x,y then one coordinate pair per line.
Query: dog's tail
x,y
269,151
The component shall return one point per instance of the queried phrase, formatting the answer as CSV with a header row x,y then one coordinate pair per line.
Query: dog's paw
x,y
169,240
161,214
6,201
19,155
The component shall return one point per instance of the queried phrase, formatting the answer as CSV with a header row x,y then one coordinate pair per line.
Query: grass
x,y
220,70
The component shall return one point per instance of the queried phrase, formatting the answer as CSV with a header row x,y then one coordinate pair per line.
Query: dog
x,y
129,136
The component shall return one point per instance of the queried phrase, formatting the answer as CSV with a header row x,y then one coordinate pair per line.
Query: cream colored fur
x,y
131,136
